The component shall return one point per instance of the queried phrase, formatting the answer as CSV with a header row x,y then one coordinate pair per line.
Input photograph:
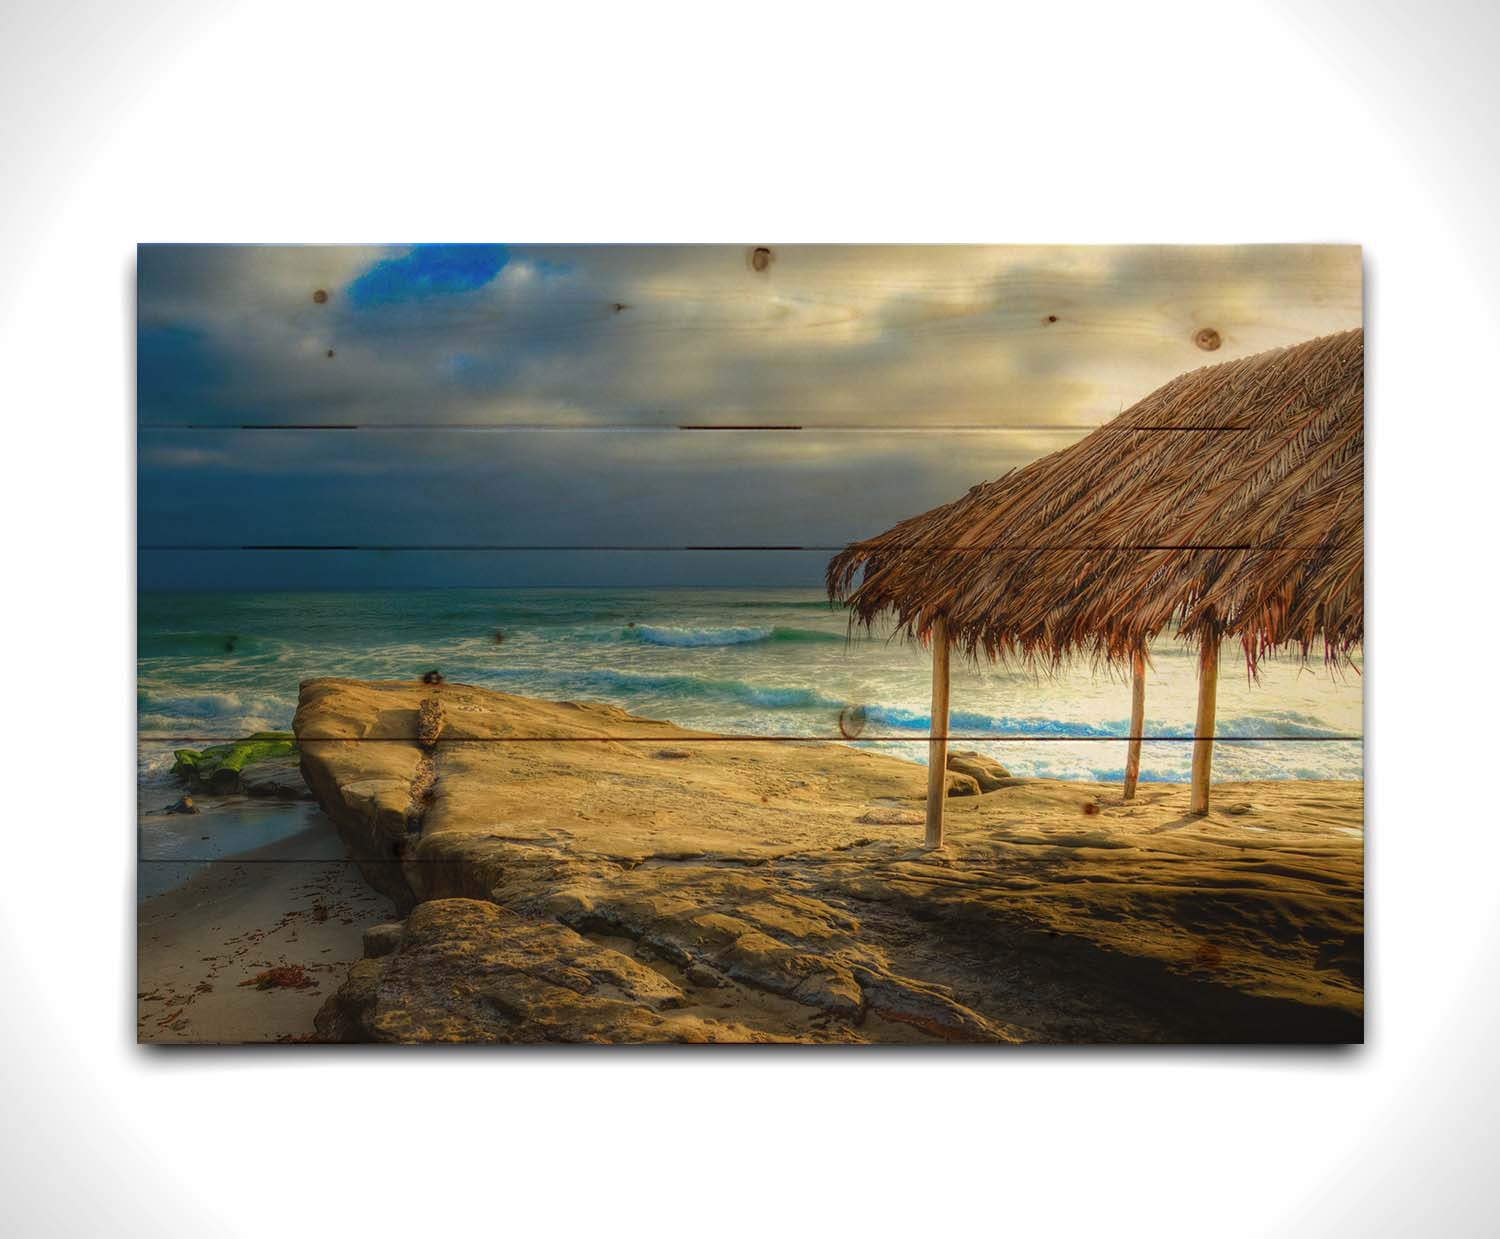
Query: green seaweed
x,y
222,763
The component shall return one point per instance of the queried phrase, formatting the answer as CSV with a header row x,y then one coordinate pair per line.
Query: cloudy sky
x,y
535,396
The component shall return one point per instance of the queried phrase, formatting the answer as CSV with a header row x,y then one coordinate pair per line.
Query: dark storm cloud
x,y
581,488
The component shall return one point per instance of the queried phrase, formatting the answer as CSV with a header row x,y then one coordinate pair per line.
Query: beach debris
x,y
184,805
283,976
1090,808
432,677
671,754
429,721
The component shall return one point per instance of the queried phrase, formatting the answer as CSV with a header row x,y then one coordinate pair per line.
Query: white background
x,y
1371,123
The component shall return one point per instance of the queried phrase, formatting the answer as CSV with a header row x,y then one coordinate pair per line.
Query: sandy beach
x,y
295,902
561,871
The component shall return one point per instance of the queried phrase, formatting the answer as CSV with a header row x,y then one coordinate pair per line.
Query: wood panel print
x,y
750,643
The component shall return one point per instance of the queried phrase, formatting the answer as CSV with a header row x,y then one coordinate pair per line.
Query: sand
x,y
297,901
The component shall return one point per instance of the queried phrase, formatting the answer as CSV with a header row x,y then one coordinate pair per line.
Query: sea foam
x,y
661,634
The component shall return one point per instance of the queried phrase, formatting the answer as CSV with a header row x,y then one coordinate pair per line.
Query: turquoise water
x,y
747,662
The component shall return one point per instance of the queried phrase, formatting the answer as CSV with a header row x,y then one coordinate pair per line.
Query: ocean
x,y
756,662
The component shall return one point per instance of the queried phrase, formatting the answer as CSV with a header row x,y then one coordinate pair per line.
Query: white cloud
x,y
884,335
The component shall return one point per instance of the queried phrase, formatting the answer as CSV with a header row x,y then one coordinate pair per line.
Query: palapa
x,y
1227,503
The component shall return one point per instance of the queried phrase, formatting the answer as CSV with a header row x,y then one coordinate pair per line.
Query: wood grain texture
x,y
818,336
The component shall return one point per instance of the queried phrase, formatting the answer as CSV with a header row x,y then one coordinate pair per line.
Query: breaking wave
x,y
653,634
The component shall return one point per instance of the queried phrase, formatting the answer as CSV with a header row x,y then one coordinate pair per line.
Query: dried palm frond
x,y
1231,499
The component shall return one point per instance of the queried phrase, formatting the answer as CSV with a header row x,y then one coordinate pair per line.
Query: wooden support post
x,y
937,745
1137,722
1203,728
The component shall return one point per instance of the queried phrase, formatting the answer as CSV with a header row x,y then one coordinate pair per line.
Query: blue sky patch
x,y
428,271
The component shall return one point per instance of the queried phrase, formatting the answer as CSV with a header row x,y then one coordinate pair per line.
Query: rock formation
x,y
572,872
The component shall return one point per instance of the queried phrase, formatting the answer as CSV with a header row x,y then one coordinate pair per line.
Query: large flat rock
x,y
612,878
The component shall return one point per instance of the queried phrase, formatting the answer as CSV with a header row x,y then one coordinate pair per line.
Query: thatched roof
x,y
1231,497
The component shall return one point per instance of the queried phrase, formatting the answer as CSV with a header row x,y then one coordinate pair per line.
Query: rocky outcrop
x,y
382,939
467,970
279,778
985,773
566,881
960,784
264,764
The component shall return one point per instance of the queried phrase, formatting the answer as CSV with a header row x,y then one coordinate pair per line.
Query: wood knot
x,y
1052,318
760,258
320,296
1207,339
852,721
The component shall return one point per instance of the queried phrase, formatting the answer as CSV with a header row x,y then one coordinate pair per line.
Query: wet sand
x,y
298,901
